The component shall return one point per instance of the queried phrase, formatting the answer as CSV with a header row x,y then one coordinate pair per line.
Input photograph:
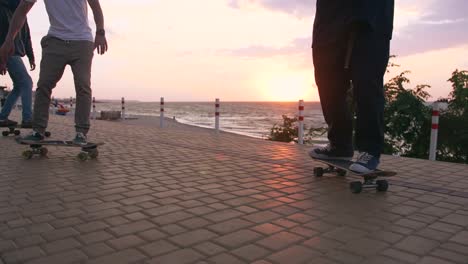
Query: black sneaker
x,y
8,123
330,153
34,136
80,139
26,124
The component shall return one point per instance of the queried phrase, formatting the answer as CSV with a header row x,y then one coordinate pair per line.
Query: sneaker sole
x,y
325,157
358,168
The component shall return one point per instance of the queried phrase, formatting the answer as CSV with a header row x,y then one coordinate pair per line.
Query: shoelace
x,y
365,157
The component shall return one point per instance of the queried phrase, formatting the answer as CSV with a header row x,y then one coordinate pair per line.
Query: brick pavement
x,y
191,196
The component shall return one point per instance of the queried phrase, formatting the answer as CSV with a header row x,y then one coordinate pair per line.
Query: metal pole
x,y
301,123
217,115
94,108
123,109
434,131
161,116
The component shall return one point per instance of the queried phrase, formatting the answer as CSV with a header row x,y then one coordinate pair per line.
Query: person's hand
x,y
100,43
6,51
32,63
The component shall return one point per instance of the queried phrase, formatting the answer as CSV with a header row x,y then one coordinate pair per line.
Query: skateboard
x,y
341,167
15,130
88,151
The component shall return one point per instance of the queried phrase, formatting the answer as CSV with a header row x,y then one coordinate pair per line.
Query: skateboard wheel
x,y
47,134
382,185
43,152
82,156
17,132
27,154
341,172
93,154
318,171
5,133
356,187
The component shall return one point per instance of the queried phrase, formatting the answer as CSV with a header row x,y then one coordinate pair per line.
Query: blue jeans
x,y
22,86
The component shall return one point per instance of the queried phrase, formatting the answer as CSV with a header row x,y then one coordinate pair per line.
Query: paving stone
x,y
180,256
96,250
121,257
73,256
158,248
417,245
449,255
230,226
294,254
280,240
22,255
132,227
61,245
193,237
238,238
125,242
225,258
251,252
433,260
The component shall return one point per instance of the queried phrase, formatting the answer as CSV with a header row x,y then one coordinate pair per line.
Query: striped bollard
x,y
123,108
217,115
94,108
301,122
54,110
434,131
161,115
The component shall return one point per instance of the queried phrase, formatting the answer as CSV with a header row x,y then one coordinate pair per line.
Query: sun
x,y
287,86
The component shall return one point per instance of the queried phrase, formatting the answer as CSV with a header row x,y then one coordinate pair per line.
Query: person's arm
x,y
100,41
16,23
28,46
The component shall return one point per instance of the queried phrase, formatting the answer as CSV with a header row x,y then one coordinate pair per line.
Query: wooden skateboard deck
x,y
341,167
88,151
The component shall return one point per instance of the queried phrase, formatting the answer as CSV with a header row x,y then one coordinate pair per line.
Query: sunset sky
x,y
247,50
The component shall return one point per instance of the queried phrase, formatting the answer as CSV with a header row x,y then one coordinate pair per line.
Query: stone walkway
x,y
179,195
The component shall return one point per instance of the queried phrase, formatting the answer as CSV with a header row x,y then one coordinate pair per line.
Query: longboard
x,y
88,151
14,130
341,167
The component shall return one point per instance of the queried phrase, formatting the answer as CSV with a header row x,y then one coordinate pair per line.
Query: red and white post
x,y
94,108
301,123
71,104
434,131
53,108
161,113
123,109
217,115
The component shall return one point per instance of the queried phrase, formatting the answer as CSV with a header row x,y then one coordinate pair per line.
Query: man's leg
x,y
21,82
333,84
25,84
81,66
370,59
52,67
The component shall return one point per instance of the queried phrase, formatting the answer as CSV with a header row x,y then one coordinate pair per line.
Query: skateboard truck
x,y
368,183
319,171
14,130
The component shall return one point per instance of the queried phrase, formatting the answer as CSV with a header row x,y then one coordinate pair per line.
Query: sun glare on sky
x,y
287,86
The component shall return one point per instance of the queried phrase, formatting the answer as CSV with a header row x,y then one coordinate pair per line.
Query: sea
x,y
253,119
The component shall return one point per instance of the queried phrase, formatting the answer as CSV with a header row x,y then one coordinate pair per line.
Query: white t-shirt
x,y
68,19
